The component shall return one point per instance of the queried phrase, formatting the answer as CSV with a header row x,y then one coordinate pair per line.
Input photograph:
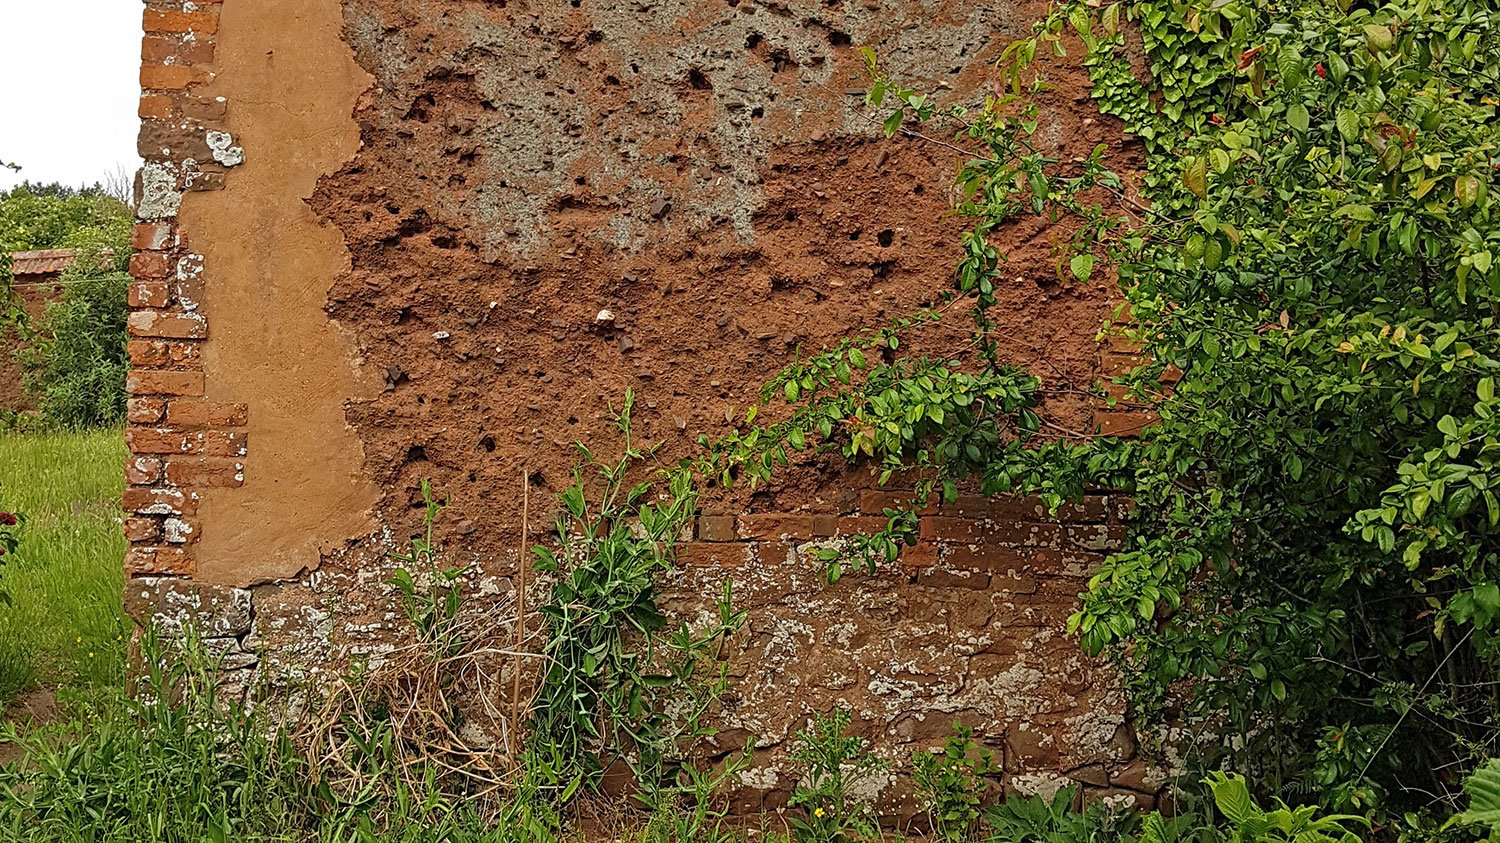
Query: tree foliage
x,y
74,359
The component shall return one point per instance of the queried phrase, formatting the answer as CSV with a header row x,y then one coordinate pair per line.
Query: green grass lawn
x,y
66,625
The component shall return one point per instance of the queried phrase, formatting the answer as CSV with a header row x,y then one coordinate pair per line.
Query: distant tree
x,y
74,358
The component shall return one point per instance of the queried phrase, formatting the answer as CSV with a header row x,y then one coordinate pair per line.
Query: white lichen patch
x,y
221,145
1045,785
160,197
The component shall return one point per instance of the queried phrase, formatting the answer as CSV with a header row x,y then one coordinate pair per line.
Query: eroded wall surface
x,y
376,239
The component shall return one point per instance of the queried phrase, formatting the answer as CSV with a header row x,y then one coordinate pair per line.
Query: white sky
x,y
69,89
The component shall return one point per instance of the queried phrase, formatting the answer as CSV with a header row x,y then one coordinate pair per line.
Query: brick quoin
x,y
142,529
150,382
158,501
206,414
164,21
171,77
146,561
149,294
142,471
151,236
155,107
156,323
145,410
150,265
205,471
164,354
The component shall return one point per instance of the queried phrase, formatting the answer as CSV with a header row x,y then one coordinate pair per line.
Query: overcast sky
x,y
71,77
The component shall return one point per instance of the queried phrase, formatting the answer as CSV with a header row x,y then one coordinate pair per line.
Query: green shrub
x,y
952,784
75,362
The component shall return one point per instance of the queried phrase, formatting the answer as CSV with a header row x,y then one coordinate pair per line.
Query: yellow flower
x,y
818,812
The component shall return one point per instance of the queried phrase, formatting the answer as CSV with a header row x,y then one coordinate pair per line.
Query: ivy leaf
x,y
1232,796
1484,796
1348,124
1378,37
1466,190
1082,266
1289,64
892,123
1195,176
1110,20
1298,117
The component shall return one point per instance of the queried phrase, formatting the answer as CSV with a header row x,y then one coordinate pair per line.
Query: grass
x,y
67,626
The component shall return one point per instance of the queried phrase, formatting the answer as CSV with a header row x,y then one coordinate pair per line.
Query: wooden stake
x,y
520,602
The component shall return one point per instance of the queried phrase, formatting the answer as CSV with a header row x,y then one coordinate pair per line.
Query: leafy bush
x,y
953,783
1315,550
75,362
1038,819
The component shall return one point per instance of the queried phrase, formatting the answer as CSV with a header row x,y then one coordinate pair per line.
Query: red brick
x,y
156,49
939,578
206,109
156,323
862,525
711,554
923,555
144,561
139,529
223,443
1095,537
164,354
1090,509
205,471
179,531
170,77
145,410
1115,364
155,107
149,294
146,354
774,525
995,533
151,236
156,382
1052,562
716,528
1013,583
158,501
876,501
142,471
149,265
206,414
991,558
161,20
825,525
150,440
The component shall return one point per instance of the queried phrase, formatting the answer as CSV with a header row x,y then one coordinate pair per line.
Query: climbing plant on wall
x,y
1311,263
